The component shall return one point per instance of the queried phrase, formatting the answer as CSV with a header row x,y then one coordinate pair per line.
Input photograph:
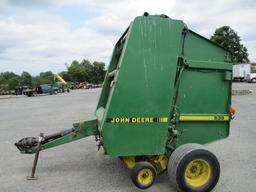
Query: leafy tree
x,y
35,81
46,77
65,75
77,72
9,78
87,71
228,38
46,74
98,72
88,68
7,75
2,79
13,83
25,79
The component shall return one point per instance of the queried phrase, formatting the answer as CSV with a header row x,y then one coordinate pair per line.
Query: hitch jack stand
x,y
38,148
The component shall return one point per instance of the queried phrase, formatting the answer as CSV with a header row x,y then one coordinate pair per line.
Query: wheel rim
x,y
145,177
198,173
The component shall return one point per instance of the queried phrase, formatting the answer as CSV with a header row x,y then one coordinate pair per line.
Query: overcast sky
x,y
42,35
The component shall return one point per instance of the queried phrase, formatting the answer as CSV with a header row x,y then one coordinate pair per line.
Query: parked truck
x,y
244,72
25,90
47,89
240,71
251,77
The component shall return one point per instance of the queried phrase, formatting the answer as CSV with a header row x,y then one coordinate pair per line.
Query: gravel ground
x,y
78,166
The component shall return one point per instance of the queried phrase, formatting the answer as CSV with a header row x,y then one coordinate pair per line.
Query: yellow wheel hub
x,y
145,177
198,173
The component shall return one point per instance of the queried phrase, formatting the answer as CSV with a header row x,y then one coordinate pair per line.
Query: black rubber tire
x,y
137,168
179,160
253,80
29,95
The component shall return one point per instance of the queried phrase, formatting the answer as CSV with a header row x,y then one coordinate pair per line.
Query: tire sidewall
x,y
198,154
138,167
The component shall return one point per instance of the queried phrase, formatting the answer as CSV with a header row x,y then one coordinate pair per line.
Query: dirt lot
x,y
79,166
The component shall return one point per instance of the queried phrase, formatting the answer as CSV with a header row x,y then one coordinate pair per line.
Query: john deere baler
x,y
167,91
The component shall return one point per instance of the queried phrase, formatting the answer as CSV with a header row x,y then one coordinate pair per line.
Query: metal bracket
x,y
38,148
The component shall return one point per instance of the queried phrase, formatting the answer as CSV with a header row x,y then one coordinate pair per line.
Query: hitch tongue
x,y
79,131
25,145
28,144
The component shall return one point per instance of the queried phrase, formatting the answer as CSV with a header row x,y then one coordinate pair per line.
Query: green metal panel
x,y
160,71
142,88
203,92
201,132
199,48
106,86
209,65
205,89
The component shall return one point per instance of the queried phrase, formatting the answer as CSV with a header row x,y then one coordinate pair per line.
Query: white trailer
x,y
241,71
251,77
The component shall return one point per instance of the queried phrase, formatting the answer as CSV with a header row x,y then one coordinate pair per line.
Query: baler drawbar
x,y
80,130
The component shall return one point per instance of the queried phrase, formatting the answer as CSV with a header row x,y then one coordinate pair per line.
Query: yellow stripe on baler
x,y
163,120
204,118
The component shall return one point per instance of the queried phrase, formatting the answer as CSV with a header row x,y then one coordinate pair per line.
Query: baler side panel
x,y
106,85
199,48
114,62
143,88
204,91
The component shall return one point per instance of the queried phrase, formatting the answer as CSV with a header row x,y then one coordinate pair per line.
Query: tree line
x,y
76,72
